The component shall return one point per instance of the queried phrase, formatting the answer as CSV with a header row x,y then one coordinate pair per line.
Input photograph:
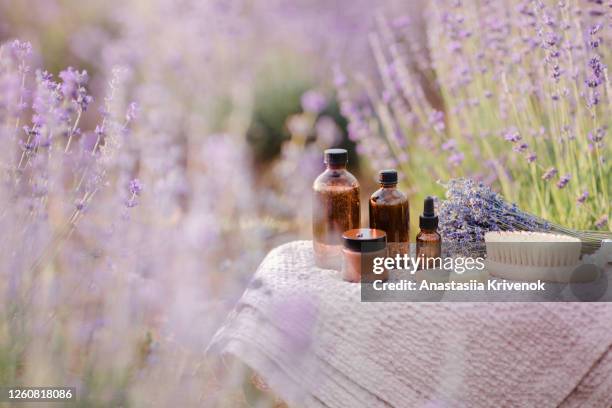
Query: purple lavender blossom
x,y
583,197
313,101
135,187
556,72
471,209
456,159
132,112
520,147
79,205
512,135
131,202
73,87
551,39
597,136
593,99
449,145
564,180
596,66
602,221
595,29
549,174
531,157
20,49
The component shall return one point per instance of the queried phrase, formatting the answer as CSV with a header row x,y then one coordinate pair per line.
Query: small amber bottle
x,y
335,209
428,241
390,212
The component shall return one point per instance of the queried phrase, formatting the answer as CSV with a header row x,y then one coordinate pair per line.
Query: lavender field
x,y
155,151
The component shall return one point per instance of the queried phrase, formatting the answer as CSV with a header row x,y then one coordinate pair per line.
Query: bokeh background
x,y
139,198
235,103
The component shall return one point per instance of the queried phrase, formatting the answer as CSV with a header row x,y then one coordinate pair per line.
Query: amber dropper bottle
x,y
428,240
389,211
335,209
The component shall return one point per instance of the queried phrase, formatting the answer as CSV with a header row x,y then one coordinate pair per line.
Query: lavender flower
x,y
135,187
596,66
21,49
456,159
564,180
520,147
597,136
314,101
531,157
556,72
80,204
132,112
602,221
512,135
549,174
471,209
583,197
73,87
449,145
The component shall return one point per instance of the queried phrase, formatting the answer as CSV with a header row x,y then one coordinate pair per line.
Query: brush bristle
x,y
532,248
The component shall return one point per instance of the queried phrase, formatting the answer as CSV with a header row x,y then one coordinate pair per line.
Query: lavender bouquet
x,y
472,208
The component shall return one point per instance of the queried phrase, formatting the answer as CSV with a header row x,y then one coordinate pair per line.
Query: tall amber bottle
x,y
335,208
428,240
390,212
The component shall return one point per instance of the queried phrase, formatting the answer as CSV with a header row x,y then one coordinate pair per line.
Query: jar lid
x,y
364,239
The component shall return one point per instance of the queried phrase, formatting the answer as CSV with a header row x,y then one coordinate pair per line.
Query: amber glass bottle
x,y
428,241
389,211
335,208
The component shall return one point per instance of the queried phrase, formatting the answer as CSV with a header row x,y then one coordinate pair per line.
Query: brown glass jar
x,y
363,255
335,209
428,240
390,212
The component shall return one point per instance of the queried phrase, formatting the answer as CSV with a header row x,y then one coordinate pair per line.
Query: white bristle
x,y
532,255
522,251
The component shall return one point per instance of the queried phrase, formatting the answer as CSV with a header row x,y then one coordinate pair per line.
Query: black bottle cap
x,y
335,156
364,239
387,177
429,220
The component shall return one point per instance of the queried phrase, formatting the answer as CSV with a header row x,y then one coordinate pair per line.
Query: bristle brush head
x,y
531,256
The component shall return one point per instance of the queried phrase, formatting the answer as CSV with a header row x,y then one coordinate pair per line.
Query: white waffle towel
x,y
305,331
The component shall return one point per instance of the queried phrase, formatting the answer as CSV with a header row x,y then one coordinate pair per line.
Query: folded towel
x,y
306,333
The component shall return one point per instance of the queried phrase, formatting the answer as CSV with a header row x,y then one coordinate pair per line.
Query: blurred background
x,y
140,196
234,104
